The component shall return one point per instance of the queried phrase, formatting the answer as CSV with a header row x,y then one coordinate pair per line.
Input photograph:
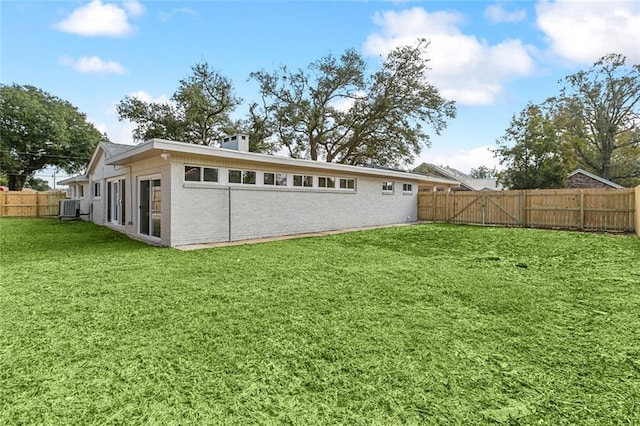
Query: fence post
x,y
446,207
2,208
637,208
582,209
523,210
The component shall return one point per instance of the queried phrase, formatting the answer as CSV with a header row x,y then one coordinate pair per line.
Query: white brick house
x,y
173,193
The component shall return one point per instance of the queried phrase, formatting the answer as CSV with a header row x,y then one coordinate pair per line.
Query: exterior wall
x,y
154,167
583,181
205,212
257,213
76,193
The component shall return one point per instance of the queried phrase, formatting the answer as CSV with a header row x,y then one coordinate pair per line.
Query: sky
x,y
490,57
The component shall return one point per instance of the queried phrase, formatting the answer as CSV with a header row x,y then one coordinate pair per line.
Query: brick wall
x,y
583,181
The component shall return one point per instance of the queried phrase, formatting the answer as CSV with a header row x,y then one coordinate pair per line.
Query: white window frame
x,y
201,174
243,177
303,179
97,190
407,188
327,182
388,187
346,184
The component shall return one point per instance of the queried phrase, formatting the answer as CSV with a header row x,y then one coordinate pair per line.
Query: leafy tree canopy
x,y
532,153
335,111
198,111
484,172
38,130
37,184
598,113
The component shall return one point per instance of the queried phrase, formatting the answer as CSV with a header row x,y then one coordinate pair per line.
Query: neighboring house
x,y
580,178
467,183
173,193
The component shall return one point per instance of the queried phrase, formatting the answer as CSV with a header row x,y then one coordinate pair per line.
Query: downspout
x,y
229,212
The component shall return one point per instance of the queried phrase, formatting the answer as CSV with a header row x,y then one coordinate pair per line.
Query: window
x,y
249,178
81,191
116,201
407,187
235,176
303,180
269,179
326,182
96,190
281,179
200,174
240,176
346,183
210,175
387,186
191,174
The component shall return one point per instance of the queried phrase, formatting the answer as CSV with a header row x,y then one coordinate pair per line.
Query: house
x,y
172,193
467,183
580,178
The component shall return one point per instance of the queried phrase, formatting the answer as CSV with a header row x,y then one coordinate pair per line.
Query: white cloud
x,y
122,131
496,14
343,104
92,64
146,97
167,16
135,8
101,19
465,69
461,159
584,31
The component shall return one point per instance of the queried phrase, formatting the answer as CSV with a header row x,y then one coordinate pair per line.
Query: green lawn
x,y
430,324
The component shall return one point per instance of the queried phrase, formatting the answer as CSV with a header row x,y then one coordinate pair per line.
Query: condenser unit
x,y
69,209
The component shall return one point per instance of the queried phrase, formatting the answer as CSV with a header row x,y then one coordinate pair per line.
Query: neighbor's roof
x,y
466,180
596,177
156,146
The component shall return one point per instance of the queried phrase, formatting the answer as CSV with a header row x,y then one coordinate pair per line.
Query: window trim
x,y
327,181
405,190
303,180
385,187
97,190
201,174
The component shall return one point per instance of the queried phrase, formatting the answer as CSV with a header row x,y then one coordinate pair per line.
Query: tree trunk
x,y
17,182
313,151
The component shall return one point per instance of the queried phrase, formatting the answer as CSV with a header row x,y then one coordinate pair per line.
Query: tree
x,y
484,172
38,130
336,112
532,152
599,114
198,111
37,184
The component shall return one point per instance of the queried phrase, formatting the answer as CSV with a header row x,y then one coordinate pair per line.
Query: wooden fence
x,y
30,204
582,209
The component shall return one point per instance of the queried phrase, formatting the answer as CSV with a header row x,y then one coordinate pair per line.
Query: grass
x,y
430,324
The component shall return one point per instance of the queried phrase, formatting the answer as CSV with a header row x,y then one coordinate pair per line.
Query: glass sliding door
x,y
150,207
155,208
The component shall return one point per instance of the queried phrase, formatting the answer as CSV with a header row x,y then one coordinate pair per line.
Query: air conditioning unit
x,y
69,209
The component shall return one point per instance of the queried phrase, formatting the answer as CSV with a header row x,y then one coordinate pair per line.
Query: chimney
x,y
236,143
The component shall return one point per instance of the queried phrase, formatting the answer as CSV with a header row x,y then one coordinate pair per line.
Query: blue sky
x,y
490,57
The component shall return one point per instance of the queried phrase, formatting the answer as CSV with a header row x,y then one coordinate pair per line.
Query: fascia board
x,y
185,148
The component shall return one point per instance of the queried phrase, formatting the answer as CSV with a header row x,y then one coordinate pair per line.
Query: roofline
x,y
596,177
73,179
182,147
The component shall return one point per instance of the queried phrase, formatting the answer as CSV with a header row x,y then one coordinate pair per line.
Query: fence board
x,y
583,209
30,204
